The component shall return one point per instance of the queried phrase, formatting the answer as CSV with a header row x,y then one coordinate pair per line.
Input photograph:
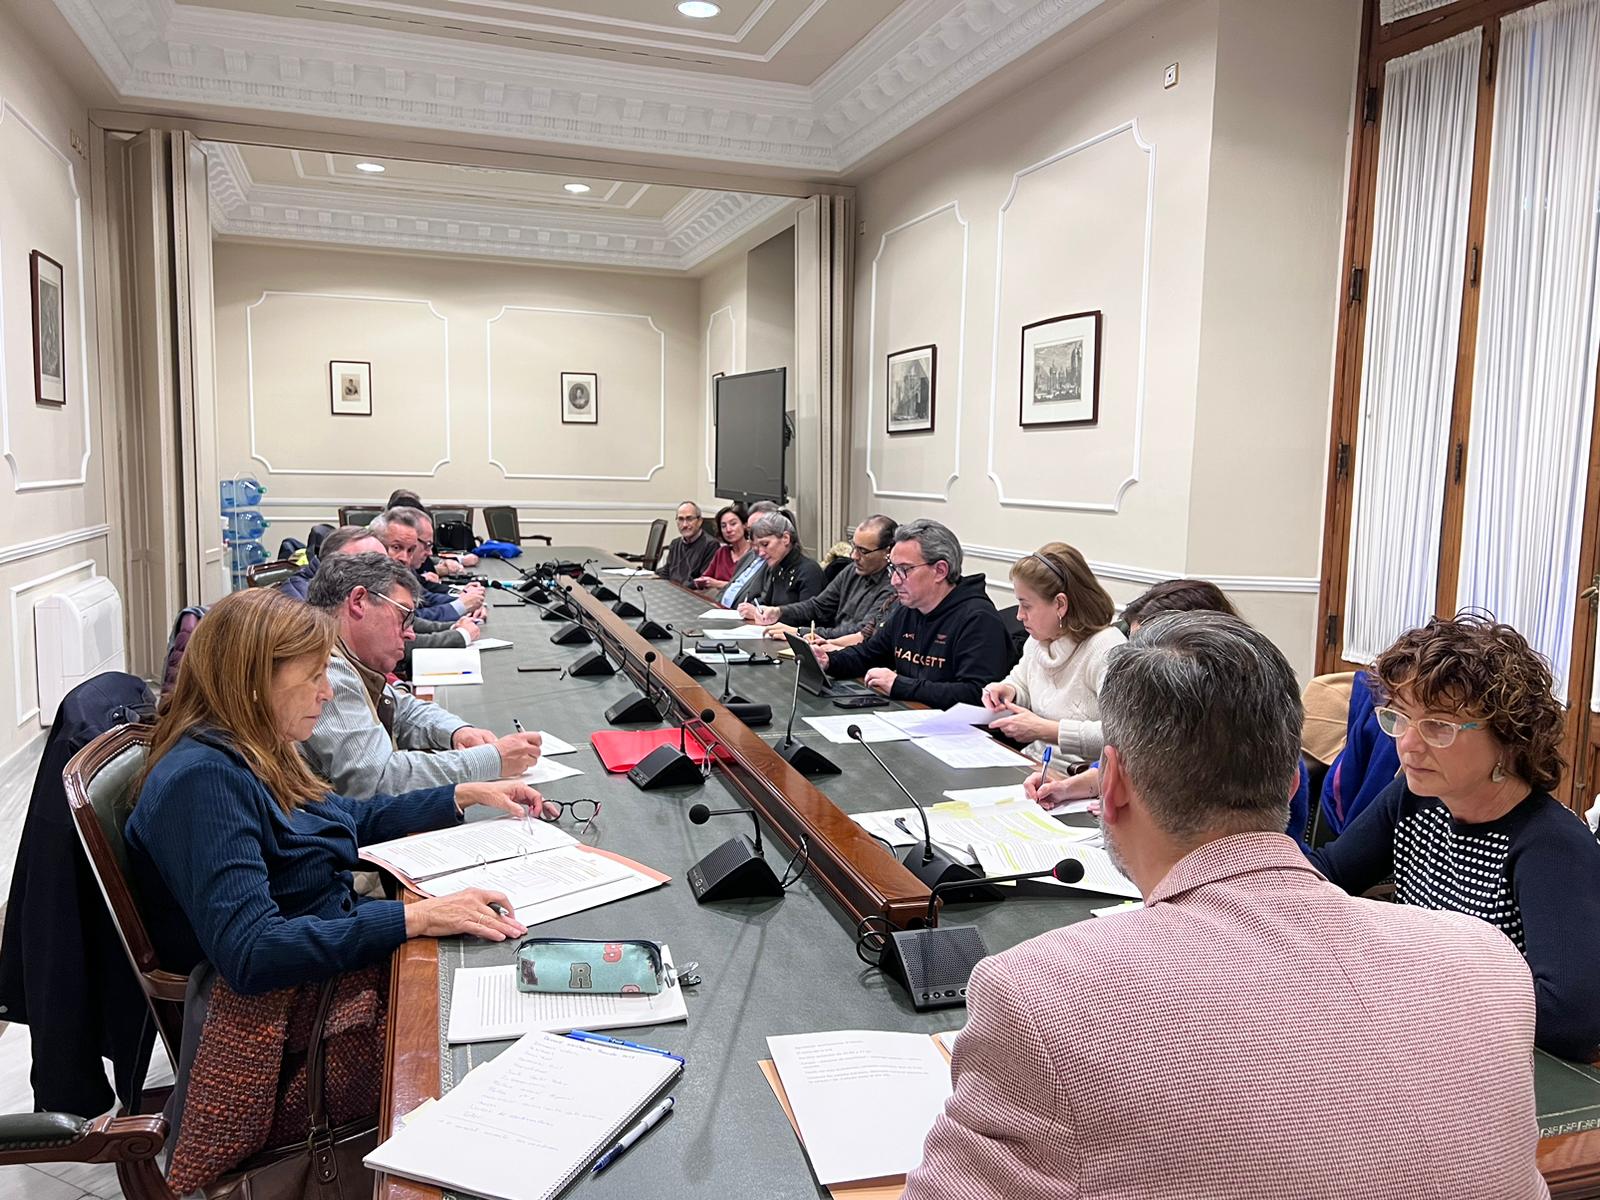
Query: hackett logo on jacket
x,y
930,661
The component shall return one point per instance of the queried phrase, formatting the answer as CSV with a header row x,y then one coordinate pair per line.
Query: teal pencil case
x,y
622,968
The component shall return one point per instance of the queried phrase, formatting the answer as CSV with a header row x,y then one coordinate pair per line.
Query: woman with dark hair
x,y
1471,826
1051,697
736,553
1174,595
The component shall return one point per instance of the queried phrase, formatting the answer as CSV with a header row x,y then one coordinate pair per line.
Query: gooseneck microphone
x,y
928,864
1068,870
668,765
574,632
700,814
636,708
797,754
735,870
648,629
686,662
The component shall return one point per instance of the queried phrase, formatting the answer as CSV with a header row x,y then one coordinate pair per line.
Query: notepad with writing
x,y
524,1126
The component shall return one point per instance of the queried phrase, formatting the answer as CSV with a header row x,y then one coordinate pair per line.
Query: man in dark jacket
x,y
851,599
691,551
944,641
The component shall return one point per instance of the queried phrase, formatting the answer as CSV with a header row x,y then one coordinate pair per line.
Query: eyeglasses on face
x,y
408,615
582,811
1436,731
863,551
901,570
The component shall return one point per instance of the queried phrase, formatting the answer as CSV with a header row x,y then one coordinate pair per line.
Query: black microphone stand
x,y
686,662
648,629
636,708
797,754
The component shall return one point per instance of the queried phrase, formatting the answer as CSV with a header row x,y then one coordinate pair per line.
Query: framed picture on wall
x,y
350,388
1060,379
48,292
580,398
912,388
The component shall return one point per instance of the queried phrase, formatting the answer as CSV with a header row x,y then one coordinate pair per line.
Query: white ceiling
x,y
305,196
795,85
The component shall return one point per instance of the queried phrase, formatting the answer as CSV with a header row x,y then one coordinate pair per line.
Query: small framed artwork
x,y
48,293
580,398
350,388
912,389
1060,383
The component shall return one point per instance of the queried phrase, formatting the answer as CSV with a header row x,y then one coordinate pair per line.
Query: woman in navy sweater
x,y
1471,826
239,854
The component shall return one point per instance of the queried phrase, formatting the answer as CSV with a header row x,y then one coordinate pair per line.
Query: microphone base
x,y
664,767
933,965
755,716
557,612
651,632
804,759
733,871
692,666
571,634
634,709
589,579
591,664
601,592
627,611
941,869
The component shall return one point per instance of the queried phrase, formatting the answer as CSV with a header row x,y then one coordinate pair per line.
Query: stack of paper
x,y
720,614
969,750
486,1006
930,722
872,729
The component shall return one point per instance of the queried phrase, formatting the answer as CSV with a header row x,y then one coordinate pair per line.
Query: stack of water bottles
x,y
242,527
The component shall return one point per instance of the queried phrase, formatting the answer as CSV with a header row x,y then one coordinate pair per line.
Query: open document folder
x,y
540,868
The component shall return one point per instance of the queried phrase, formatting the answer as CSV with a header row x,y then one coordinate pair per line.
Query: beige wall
x,y
1203,222
53,487
466,359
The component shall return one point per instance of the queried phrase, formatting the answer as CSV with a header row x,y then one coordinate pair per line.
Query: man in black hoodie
x,y
944,641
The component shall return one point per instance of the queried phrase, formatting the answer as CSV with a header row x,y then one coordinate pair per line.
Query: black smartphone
x,y
538,668
873,701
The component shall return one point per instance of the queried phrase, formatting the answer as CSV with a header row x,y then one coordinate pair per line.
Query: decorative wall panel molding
x,y
28,585
18,551
915,61
250,384
16,256
728,365
1003,363
1148,575
943,375
661,424
689,233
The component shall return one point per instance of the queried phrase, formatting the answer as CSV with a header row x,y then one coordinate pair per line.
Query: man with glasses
x,y
851,598
943,642
690,553
407,534
372,737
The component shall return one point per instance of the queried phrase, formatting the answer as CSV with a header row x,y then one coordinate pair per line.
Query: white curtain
x,y
1413,307
1534,371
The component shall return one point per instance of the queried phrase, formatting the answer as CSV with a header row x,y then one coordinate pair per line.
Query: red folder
x,y
621,749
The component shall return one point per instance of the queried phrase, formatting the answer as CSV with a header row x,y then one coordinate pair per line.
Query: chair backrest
x,y
178,642
355,514
271,574
451,512
501,524
316,536
654,544
99,785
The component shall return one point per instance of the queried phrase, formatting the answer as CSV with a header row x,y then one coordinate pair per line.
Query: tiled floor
x,y
52,1181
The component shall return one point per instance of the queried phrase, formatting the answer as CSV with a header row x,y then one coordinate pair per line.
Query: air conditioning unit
x,y
77,634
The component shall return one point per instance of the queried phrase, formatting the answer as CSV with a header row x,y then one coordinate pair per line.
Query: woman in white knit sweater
x,y
1053,695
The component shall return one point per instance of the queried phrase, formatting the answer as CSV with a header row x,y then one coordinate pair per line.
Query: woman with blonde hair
x,y
1051,697
239,853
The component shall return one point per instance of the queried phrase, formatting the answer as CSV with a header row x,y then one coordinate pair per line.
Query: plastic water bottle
x,y
244,491
242,525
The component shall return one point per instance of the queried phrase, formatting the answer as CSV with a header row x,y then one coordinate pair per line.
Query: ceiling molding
x,y
691,232
927,53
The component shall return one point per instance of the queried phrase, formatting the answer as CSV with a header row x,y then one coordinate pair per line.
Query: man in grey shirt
x,y
691,551
372,737
852,599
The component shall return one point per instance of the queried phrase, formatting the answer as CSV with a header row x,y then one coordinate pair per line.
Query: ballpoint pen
x,y
644,1125
526,808
579,1035
1044,765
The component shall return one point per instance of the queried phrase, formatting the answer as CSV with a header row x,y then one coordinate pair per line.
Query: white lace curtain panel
x,y
1413,318
1534,368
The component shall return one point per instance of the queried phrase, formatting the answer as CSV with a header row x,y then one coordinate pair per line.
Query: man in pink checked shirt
x,y
1252,1032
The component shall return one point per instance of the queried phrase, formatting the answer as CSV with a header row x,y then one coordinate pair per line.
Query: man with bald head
x,y
691,551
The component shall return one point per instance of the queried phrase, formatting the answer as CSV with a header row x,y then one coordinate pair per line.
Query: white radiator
x,y
77,634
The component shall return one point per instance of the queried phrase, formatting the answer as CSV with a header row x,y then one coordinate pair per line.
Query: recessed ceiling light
x,y
577,189
700,10
371,168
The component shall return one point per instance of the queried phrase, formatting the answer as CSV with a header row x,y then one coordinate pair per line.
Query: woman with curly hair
x,y
1470,825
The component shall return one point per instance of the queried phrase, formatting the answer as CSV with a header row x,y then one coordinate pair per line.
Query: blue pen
x,y
1044,767
644,1125
580,1036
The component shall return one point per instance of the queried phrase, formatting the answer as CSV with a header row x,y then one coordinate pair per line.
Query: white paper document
x,y
626,572
966,751
985,797
486,1006
961,826
564,906
550,744
437,668
1012,857
930,722
533,879
527,1127
720,614
426,855
872,729
484,643
718,657
863,1100
546,771
739,633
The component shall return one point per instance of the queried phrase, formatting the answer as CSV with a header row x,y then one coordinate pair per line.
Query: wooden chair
x,y
99,784
654,544
501,524
132,1143
358,514
271,574
451,512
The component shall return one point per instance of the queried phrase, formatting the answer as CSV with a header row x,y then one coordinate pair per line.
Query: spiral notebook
x,y
526,1124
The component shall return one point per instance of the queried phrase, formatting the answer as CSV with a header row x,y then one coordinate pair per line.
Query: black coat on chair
x,y
63,971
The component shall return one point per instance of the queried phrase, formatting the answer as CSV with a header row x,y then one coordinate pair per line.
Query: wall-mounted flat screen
x,y
749,415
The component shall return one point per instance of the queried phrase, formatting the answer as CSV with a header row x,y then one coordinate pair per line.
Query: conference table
x,y
769,966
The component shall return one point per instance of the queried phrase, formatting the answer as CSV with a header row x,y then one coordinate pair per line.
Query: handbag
x,y
327,1165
